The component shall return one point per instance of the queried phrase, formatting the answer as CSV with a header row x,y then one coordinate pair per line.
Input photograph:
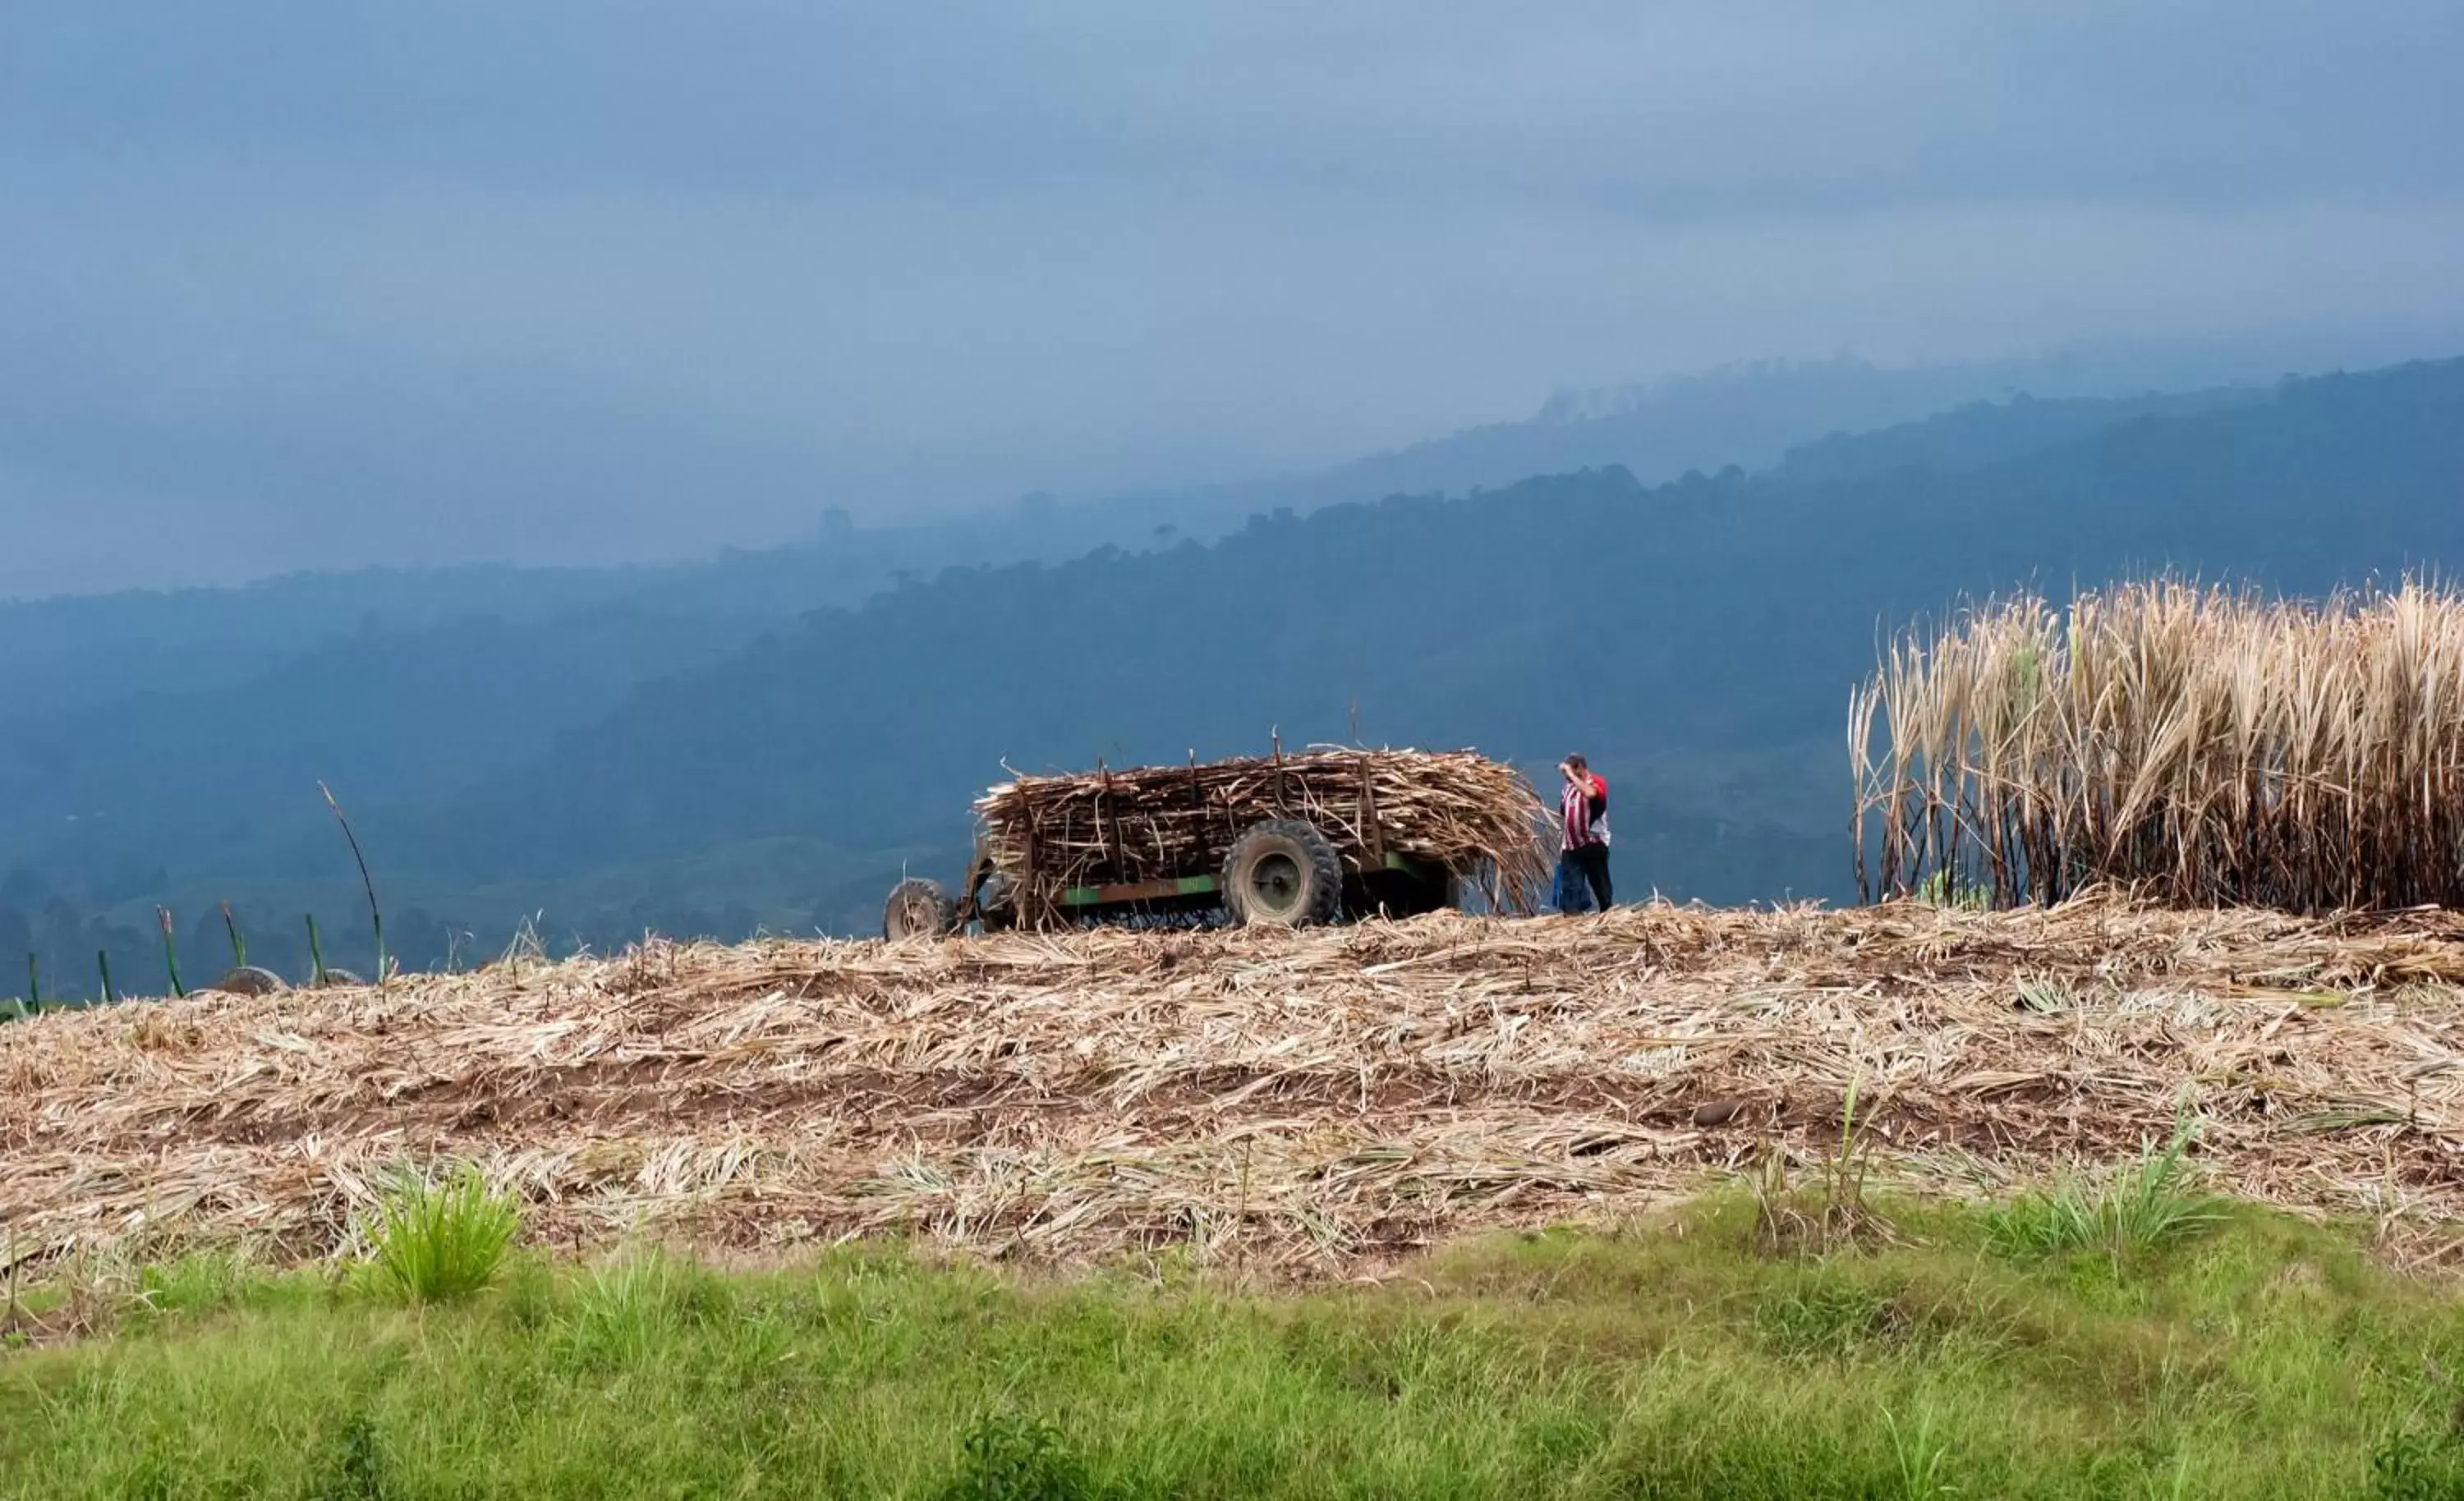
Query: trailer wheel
x,y
918,908
339,979
997,903
1282,873
248,980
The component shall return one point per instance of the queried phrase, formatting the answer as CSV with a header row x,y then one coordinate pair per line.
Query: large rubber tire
x,y
1282,873
248,980
918,908
341,980
997,903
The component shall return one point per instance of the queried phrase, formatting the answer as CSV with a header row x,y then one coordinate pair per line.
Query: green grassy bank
x,y
1981,1356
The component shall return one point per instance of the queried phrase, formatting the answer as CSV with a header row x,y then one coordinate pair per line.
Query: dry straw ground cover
x,y
1313,1102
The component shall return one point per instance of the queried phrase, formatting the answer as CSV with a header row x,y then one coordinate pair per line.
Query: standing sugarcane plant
x,y
102,962
316,953
34,983
376,917
2200,746
170,951
239,945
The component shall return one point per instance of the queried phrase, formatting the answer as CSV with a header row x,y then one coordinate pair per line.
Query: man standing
x,y
1583,836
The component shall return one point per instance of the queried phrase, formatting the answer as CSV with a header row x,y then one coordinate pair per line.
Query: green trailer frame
x,y
1139,893
1389,882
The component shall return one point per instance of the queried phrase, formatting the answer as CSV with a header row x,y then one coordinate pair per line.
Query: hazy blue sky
x,y
299,283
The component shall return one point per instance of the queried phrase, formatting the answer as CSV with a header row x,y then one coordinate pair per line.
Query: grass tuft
x,y
2149,1206
1922,1453
441,1240
1011,1458
624,1310
1941,890
1832,1213
2418,1463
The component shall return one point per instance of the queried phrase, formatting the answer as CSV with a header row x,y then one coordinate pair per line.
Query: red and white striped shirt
x,y
1582,812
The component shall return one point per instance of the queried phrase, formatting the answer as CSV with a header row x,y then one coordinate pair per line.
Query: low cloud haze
x,y
298,286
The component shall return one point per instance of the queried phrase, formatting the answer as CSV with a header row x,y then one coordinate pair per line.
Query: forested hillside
x,y
97,650
1697,637
1682,626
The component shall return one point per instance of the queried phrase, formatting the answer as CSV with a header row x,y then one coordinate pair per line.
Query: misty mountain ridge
x,y
1699,642
1711,617
2109,367
83,651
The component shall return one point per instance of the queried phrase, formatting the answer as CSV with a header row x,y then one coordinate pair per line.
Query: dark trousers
x,y
1583,878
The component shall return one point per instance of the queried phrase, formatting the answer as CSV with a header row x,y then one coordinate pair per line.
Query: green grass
x,y
443,1239
2251,1357
1938,889
2131,1214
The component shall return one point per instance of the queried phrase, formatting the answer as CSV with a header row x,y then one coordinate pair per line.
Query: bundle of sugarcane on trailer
x,y
1281,841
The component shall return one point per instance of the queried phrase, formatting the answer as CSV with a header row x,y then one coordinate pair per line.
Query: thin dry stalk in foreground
x,y
2203,747
1315,1102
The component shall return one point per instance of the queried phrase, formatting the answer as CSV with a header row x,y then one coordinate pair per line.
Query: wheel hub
x,y
915,915
1275,882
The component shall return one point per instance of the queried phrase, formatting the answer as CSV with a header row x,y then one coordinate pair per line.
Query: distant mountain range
x,y
1701,624
697,749
89,651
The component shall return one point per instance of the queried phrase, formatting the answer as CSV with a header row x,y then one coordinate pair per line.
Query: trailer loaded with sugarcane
x,y
1330,833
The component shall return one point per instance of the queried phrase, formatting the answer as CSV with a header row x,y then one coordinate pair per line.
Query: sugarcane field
x,y
1323,1103
2176,857
2153,981
1232,752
